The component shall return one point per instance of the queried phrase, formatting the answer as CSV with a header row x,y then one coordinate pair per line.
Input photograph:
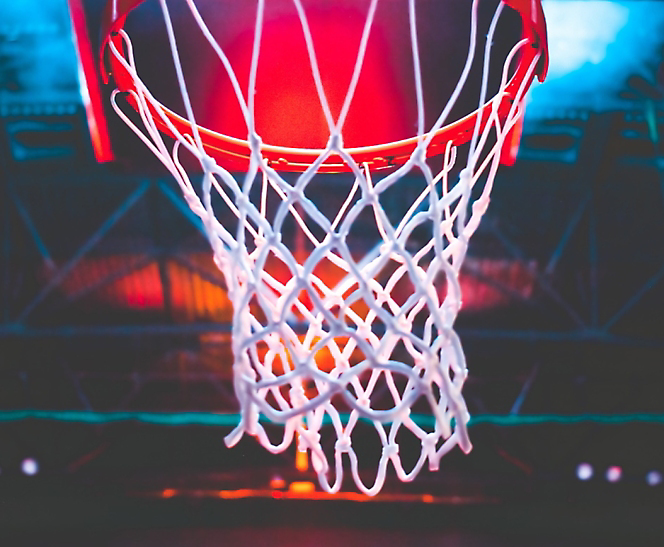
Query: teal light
x,y
232,419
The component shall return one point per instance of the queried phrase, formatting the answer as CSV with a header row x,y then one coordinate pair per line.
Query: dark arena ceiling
x,y
116,381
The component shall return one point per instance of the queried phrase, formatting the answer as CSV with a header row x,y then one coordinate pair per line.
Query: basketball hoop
x,y
311,347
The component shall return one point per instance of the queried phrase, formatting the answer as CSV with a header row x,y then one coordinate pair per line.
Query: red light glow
x,y
288,110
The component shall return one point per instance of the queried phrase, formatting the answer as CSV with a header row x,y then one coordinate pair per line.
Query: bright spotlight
x,y
614,473
584,471
653,478
30,467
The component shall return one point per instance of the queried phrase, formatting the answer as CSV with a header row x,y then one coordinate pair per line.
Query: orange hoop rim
x,y
234,153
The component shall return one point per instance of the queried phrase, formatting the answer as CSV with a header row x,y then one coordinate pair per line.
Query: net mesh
x,y
322,334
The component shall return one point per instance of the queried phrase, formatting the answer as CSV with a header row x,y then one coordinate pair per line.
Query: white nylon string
x,y
351,350
358,66
417,71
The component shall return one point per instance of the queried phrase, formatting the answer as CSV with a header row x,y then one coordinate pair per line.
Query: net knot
x,y
390,450
255,142
207,163
364,331
403,414
335,238
335,142
381,297
260,240
343,445
420,153
465,176
387,248
308,439
449,313
424,383
480,206
242,202
429,443
429,450
335,300
298,397
274,239
404,324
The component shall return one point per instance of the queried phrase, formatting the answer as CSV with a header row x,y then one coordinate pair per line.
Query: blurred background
x,y
115,361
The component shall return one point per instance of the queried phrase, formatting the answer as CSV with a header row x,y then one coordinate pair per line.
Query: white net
x,y
326,336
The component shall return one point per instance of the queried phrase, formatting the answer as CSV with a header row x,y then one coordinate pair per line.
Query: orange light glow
x,y
277,483
194,298
168,493
305,490
236,494
301,460
302,487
